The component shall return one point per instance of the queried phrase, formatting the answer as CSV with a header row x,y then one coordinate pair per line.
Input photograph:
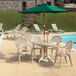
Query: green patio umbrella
x,y
44,8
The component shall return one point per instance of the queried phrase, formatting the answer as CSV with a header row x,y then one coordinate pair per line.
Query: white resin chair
x,y
11,30
21,44
57,39
37,28
55,28
1,25
64,52
22,31
36,39
16,34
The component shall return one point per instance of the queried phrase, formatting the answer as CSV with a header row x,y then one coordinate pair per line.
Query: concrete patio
x,y
9,64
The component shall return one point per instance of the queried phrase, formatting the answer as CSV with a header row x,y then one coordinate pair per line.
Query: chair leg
x,y
40,52
34,52
51,51
65,59
60,61
55,58
31,57
19,58
33,49
17,54
70,59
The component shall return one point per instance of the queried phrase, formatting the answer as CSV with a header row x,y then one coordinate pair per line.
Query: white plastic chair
x,y
57,39
64,53
11,30
35,39
1,25
55,28
22,31
22,43
37,27
16,34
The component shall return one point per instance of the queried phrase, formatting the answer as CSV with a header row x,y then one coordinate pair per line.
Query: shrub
x,y
59,3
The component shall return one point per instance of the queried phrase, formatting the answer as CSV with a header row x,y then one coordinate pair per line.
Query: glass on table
x,y
47,33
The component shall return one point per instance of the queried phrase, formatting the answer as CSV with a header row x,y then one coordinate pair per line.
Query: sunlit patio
x,y
10,67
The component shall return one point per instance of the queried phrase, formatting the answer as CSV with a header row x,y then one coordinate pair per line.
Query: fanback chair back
x,y
36,38
69,45
23,30
57,39
36,27
21,43
17,27
54,27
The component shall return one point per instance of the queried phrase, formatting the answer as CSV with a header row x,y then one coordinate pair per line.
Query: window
x,y
49,3
24,3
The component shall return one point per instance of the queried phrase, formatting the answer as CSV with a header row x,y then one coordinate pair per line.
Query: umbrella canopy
x,y
44,8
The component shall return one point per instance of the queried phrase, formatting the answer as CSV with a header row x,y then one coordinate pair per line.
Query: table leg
x,y
42,54
47,55
33,50
50,59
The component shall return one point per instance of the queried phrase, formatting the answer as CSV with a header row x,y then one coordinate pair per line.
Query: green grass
x,y
10,19
65,21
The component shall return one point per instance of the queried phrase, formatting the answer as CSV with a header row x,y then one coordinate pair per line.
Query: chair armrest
x,y
62,44
61,47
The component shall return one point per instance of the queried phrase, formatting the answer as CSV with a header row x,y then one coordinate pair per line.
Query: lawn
x,y
65,21
10,19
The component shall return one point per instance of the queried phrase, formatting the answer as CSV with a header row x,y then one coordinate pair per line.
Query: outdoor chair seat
x,y
57,39
16,34
55,29
21,44
64,52
12,30
35,47
37,28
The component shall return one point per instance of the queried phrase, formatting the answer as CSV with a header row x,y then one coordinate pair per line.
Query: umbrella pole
x,y
44,24
44,28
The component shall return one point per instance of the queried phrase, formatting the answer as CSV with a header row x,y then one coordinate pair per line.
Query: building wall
x,y
14,5
30,4
69,1
10,5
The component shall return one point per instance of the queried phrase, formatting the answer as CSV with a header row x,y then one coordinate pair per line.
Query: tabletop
x,y
41,43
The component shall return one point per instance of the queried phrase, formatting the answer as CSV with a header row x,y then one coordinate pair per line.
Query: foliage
x,y
10,19
65,21
59,3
